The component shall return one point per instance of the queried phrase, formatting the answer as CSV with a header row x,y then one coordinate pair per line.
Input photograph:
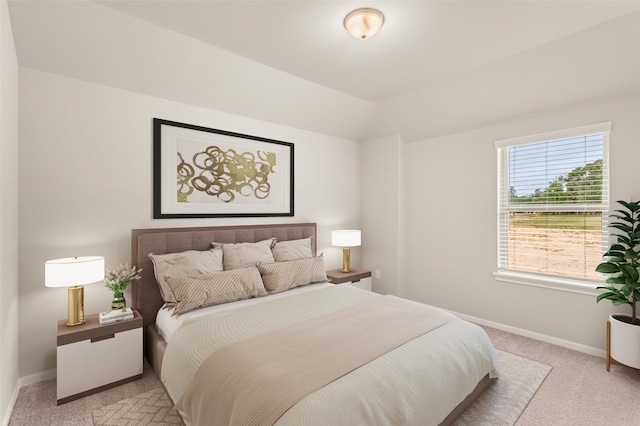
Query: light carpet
x,y
500,405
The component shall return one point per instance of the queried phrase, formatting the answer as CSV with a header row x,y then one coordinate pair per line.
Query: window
x,y
552,205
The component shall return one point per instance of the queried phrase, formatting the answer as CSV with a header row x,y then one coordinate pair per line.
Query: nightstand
x,y
94,357
356,277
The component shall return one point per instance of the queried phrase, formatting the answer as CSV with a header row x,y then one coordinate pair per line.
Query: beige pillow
x,y
196,291
285,275
284,251
190,262
243,255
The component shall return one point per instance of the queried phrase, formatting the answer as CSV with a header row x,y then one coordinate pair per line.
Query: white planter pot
x,y
625,341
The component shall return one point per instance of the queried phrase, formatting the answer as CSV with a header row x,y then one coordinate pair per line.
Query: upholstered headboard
x,y
145,292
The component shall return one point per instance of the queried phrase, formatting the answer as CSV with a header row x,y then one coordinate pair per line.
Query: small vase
x,y
118,302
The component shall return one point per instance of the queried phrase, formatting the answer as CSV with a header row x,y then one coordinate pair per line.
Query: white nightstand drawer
x,y
364,283
87,365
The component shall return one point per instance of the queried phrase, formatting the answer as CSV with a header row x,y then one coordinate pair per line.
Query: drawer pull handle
x,y
97,339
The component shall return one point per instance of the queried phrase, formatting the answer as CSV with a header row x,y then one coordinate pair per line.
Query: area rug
x,y
500,405
149,408
504,401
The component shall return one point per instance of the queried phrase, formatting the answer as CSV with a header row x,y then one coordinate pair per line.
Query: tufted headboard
x,y
145,292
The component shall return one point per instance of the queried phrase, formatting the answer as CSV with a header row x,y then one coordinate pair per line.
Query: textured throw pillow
x,y
285,275
284,251
196,291
190,262
243,255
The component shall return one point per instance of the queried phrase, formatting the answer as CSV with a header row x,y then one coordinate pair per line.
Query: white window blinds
x,y
553,201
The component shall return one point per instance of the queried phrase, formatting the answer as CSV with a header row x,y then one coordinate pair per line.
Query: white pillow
x,y
190,262
284,251
243,255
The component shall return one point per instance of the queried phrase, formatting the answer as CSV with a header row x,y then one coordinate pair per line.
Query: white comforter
x,y
418,383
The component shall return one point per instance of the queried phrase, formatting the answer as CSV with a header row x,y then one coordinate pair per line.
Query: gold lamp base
x,y
76,306
346,259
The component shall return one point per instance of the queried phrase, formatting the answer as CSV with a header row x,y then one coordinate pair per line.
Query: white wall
x,y
135,55
449,213
85,182
8,216
381,177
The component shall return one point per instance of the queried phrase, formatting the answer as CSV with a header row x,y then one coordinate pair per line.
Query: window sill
x,y
553,283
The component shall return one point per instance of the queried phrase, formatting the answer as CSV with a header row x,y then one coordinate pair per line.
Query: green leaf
x,y
620,302
630,272
626,290
626,274
615,280
631,254
616,299
624,212
616,253
600,297
624,239
622,227
629,205
607,268
627,217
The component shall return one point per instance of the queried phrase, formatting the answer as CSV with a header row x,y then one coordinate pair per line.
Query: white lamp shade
x,y
345,238
72,271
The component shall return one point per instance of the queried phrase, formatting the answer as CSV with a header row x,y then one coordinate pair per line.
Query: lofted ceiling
x,y
422,47
421,41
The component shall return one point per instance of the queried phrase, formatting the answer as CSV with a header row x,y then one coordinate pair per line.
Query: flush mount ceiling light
x,y
363,23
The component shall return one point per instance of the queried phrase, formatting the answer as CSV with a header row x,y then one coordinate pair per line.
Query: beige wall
x,y
85,182
381,176
145,58
449,224
8,216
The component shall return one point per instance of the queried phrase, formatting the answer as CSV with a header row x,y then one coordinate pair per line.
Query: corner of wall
x,y
9,334
11,404
380,197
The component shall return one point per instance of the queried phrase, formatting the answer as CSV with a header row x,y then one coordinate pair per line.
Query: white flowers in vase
x,y
118,279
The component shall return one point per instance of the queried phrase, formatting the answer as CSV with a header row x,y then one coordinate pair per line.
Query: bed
x,y
317,354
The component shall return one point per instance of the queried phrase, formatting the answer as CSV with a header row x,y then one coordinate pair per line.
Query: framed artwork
x,y
201,172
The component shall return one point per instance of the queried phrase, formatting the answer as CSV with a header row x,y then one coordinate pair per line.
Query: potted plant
x,y
117,280
623,331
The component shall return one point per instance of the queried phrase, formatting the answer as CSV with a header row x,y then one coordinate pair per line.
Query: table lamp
x,y
74,272
345,238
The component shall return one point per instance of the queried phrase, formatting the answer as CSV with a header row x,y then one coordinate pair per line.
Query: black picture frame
x,y
200,172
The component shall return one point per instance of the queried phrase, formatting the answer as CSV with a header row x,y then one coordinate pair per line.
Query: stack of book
x,y
115,316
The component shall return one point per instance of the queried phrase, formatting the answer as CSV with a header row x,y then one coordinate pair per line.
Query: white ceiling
x,y
421,42
432,69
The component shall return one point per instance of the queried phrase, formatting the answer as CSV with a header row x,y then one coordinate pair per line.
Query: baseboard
x,y
25,381
537,336
37,377
12,403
